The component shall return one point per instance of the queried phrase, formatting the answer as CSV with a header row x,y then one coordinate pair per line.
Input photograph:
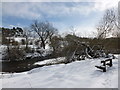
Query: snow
x,y
44,52
50,61
78,74
18,39
2,51
32,55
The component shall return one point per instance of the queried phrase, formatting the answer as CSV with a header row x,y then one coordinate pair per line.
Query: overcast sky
x,y
82,15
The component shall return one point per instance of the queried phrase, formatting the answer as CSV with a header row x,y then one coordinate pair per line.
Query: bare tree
x,y
107,24
119,20
45,31
110,23
116,20
73,30
119,15
27,34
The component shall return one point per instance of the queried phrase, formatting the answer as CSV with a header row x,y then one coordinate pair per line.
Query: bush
x,y
14,54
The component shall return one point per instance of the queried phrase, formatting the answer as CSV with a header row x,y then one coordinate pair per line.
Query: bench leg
x,y
104,70
111,63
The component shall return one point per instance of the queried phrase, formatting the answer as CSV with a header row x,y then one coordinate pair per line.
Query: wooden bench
x,y
107,62
102,67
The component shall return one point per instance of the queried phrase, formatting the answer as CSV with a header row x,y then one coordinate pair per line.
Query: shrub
x,y
14,54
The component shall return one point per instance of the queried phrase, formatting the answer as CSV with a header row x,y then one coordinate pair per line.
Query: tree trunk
x,y
43,43
8,48
26,43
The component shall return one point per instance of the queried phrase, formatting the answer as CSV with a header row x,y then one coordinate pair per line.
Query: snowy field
x,y
79,74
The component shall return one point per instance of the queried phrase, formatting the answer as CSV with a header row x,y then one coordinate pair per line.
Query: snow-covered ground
x,y
51,61
78,74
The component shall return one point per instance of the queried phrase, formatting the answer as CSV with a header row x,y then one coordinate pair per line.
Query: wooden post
x,y
110,62
103,63
104,69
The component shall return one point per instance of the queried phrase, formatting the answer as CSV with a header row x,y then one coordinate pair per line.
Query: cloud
x,y
38,9
43,0
0,14
20,10
35,10
88,31
12,26
105,4
80,31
